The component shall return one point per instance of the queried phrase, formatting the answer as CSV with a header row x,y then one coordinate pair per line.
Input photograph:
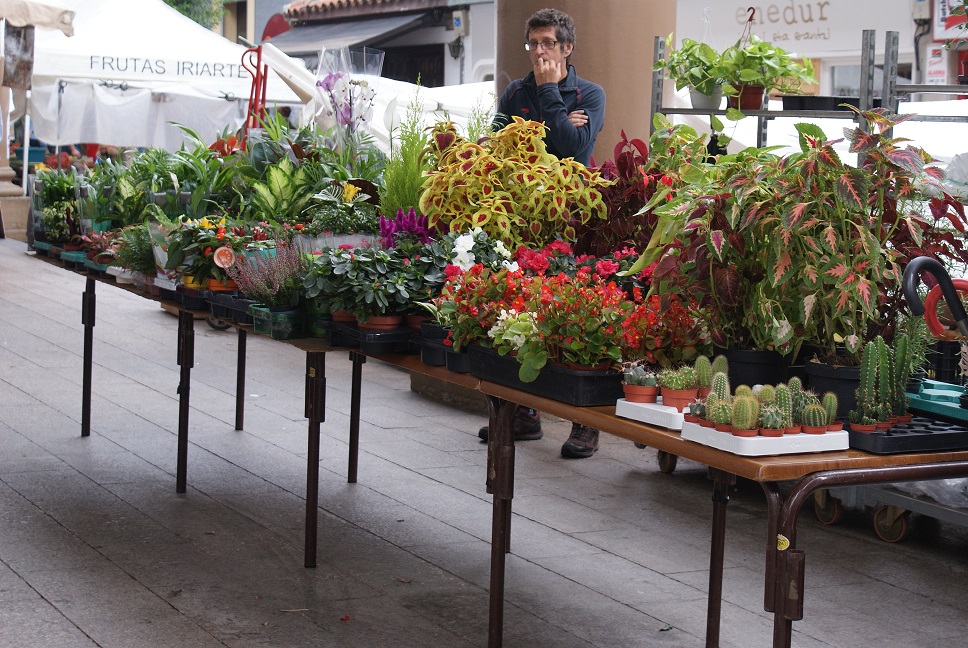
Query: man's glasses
x,y
547,45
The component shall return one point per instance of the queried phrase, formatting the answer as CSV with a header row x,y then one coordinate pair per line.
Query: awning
x,y
310,39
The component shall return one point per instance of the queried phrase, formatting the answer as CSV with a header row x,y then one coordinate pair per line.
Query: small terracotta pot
x,y
381,323
690,418
750,97
836,426
640,393
745,433
859,427
815,429
883,425
768,432
706,423
793,429
724,427
215,284
678,398
905,418
342,316
704,391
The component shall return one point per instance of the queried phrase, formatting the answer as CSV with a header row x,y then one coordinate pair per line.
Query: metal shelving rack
x,y
890,90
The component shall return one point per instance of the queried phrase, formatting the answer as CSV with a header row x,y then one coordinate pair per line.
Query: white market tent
x,y
45,15
132,68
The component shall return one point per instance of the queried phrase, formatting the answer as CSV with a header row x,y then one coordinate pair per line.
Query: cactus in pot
x,y
704,374
784,402
814,419
829,402
771,420
766,395
744,414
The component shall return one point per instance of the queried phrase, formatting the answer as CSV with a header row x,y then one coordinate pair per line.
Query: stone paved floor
x,y
97,549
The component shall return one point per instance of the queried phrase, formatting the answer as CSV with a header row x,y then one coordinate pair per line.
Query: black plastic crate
x,y
943,359
920,435
379,342
575,387
192,298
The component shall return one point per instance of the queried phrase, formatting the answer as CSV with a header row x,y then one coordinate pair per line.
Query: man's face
x,y
556,54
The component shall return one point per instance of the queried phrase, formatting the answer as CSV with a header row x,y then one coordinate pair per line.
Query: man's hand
x,y
578,118
548,71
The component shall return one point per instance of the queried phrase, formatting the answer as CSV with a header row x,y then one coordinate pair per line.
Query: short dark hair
x,y
562,22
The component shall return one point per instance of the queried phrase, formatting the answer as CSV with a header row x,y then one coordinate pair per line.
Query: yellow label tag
x,y
782,542
312,372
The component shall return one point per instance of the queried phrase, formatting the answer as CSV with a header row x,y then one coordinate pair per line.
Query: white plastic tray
x,y
762,446
652,413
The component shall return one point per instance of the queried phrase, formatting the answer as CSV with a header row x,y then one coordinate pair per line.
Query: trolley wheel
x,y
640,446
217,324
828,509
891,523
667,461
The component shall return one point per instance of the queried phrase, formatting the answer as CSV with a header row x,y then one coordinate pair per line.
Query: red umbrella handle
x,y
935,327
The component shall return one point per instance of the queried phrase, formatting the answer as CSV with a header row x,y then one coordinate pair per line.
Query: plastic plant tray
x,y
759,446
378,342
920,435
652,413
939,400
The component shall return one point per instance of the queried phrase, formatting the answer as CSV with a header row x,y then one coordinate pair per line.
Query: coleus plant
x,y
509,186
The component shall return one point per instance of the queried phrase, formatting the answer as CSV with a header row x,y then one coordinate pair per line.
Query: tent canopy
x,y
132,68
45,15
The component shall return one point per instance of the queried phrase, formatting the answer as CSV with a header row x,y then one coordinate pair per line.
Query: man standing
x,y
573,109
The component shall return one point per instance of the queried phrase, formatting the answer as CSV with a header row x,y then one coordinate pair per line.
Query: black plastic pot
x,y
842,381
752,367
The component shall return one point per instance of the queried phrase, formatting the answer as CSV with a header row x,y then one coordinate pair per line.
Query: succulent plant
x,y
815,415
767,394
720,365
697,408
830,403
745,412
634,373
784,402
719,412
720,385
704,371
744,390
801,399
771,417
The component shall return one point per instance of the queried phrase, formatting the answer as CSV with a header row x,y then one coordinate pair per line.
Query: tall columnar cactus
x,y
704,371
719,412
745,412
884,373
767,394
720,385
902,371
866,395
795,384
720,365
814,415
830,403
784,402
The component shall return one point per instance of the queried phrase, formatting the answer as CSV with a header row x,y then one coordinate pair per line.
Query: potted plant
x,y
639,383
696,66
771,420
744,414
275,281
520,193
134,251
678,387
754,68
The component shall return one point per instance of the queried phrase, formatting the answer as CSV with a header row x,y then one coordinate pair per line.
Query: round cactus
x,y
767,394
697,408
745,412
719,412
771,417
795,384
744,390
669,379
814,415
784,401
704,371
688,376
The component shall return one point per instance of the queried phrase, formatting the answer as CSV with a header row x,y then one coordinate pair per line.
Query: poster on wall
x,y
936,66
945,26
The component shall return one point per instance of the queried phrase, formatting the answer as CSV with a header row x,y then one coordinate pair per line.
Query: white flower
x,y
501,249
464,260
511,265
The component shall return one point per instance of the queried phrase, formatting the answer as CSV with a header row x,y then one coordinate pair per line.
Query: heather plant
x,y
274,280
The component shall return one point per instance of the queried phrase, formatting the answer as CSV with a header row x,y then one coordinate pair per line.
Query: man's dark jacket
x,y
550,103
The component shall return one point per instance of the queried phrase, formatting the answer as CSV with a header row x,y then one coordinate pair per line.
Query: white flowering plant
x,y
517,333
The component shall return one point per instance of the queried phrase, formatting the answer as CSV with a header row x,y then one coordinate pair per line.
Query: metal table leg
x,y
356,389
240,381
88,301
500,483
316,413
789,563
721,483
186,360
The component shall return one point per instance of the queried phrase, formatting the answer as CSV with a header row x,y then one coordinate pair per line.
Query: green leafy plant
x,y
405,167
693,65
759,63
134,250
